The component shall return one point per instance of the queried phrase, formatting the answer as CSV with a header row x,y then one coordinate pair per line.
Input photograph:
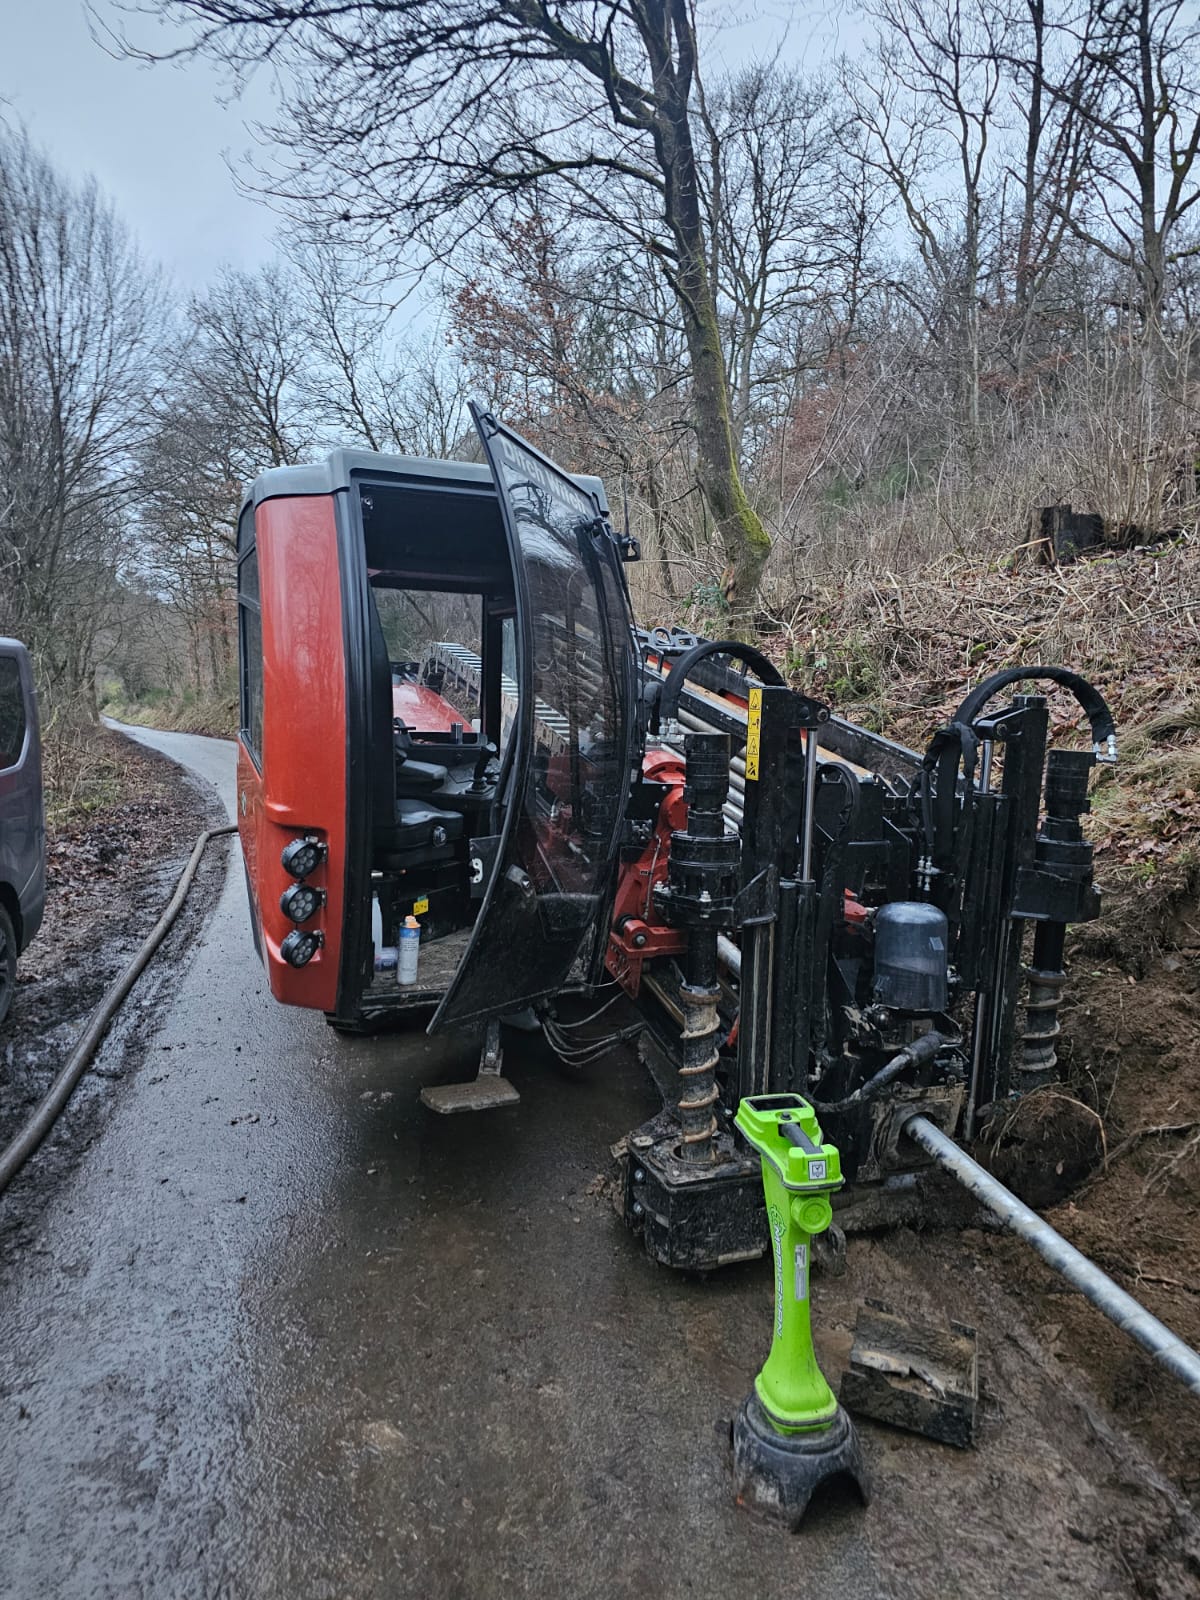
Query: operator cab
x,y
441,621
438,722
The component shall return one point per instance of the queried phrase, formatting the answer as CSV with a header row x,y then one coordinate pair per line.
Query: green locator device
x,y
790,1435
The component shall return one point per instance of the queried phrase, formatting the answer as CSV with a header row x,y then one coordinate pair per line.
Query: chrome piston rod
x,y
1167,1348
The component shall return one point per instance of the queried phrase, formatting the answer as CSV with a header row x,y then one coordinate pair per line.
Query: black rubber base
x,y
776,1474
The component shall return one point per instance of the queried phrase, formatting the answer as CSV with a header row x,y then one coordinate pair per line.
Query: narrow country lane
x,y
283,1333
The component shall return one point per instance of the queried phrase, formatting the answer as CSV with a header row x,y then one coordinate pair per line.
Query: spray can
x,y
409,950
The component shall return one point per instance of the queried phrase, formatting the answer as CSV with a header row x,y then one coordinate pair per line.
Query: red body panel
x,y
422,710
302,787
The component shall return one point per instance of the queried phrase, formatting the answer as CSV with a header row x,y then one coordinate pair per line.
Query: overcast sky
x,y
155,137
152,137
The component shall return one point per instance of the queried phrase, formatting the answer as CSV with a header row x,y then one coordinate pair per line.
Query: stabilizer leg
x,y
487,1091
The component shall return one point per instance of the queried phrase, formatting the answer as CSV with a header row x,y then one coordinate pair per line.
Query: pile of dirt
x,y
111,867
1135,1056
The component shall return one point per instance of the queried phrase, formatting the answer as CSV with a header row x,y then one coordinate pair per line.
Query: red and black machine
x,y
449,716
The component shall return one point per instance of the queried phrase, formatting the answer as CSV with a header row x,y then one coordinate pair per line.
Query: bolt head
x,y
638,1175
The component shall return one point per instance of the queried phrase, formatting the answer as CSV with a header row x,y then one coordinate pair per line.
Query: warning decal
x,y
753,735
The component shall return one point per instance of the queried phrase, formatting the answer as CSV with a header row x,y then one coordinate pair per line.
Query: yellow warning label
x,y
753,733
420,907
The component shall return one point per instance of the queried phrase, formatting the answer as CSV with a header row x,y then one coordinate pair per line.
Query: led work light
x,y
303,856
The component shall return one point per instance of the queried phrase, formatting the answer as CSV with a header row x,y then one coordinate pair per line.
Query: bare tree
x,y
238,377
929,112
247,353
1136,86
1048,166
767,172
409,119
79,316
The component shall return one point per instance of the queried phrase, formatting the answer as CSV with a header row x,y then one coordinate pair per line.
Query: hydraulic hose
x,y
913,1055
1091,702
59,1092
668,705
1167,1348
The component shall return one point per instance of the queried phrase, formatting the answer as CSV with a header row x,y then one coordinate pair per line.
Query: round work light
x,y
301,901
302,856
300,946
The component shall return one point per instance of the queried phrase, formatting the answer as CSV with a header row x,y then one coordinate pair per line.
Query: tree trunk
x,y
744,541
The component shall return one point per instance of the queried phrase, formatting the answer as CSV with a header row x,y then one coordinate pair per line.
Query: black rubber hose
x,y
59,1092
669,702
1091,701
913,1055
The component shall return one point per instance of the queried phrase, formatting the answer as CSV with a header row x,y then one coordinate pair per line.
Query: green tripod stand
x,y
790,1435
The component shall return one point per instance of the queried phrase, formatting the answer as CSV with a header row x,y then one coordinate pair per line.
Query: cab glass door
x,y
549,871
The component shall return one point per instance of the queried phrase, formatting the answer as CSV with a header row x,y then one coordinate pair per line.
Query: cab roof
x,y
341,468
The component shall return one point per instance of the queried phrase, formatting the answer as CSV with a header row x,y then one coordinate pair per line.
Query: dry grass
x,y
900,654
215,716
84,769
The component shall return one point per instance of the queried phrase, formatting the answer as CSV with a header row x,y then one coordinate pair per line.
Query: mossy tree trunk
x,y
744,540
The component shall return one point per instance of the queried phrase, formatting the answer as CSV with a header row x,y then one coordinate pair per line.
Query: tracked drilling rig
x,y
449,716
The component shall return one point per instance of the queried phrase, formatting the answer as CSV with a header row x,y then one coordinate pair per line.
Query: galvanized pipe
x,y
729,955
1167,1348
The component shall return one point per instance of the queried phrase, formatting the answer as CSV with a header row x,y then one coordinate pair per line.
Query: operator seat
x,y
405,828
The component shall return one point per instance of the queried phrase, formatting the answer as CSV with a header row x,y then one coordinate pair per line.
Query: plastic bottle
x,y
384,956
408,952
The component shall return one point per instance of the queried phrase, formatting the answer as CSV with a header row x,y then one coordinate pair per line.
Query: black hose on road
x,y
59,1092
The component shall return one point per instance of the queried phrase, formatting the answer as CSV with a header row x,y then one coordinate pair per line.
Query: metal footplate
x,y
487,1091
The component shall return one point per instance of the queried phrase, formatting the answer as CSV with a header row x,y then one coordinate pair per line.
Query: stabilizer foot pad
x,y
775,1475
487,1092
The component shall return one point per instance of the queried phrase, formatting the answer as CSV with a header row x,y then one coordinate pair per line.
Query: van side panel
x,y
22,818
303,784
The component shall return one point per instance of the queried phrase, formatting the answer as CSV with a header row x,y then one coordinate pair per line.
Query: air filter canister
x,y
911,958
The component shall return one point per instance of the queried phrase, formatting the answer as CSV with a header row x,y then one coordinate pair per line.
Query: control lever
x,y
487,754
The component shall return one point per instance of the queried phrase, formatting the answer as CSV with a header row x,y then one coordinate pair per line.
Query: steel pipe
x,y
729,955
1167,1348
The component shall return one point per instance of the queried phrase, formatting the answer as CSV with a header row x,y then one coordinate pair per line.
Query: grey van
x,y
22,820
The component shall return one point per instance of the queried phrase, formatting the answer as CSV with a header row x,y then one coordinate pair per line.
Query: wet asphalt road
x,y
282,1332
